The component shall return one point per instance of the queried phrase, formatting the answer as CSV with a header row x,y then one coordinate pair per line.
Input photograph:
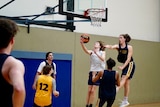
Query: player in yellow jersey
x,y
45,86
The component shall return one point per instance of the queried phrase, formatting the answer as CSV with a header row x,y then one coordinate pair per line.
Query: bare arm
x,y
112,46
130,53
98,76
84,47
40,67
16,77
35,79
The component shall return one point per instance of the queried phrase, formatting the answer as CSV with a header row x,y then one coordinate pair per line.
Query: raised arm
x,y
84,47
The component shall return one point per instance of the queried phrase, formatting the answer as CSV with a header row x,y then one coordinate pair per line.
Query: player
x,y
12,86
45,86
97,63
48,61
109,80
125,53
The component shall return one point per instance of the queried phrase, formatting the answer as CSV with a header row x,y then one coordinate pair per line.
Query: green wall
x,y
144,85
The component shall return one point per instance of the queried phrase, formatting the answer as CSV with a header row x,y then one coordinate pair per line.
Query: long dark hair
x,y
102,48
127,37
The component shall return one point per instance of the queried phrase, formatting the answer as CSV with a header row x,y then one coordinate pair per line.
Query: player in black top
x,y
12,87
125,53
6,98
108,80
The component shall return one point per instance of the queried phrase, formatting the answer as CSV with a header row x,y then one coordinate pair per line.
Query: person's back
x,y
107,88
45,86
43,94
109,79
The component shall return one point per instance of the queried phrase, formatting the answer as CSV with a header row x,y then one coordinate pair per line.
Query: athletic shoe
x,y
124,104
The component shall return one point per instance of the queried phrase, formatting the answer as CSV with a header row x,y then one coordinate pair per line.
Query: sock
x,y
125,99
90,105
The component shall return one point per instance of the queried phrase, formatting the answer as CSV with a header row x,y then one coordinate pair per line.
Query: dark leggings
x,y
35,105
109,102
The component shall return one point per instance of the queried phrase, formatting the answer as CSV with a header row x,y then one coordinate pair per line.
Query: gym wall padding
x,y
144,85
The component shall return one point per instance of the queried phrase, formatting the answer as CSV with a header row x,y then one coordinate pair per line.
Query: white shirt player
x,y
96,64
42,64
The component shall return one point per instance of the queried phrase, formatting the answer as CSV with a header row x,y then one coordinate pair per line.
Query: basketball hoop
x,y
96,15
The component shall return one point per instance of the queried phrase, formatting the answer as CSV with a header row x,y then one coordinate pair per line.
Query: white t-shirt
x,y
42,64
96,63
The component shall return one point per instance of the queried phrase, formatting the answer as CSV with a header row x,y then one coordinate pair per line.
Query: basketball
x,y
85,38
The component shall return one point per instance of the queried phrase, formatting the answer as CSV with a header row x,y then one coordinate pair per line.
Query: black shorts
x,y
90,80
129,70
35,105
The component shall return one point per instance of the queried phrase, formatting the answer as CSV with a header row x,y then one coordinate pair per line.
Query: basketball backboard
x,y
76,8
34,12
51,13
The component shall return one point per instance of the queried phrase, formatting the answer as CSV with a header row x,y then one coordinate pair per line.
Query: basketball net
x,y
96,15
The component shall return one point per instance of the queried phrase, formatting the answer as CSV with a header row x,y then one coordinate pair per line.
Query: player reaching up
x,y
97,64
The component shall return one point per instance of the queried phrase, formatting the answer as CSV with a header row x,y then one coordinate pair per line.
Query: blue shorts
x,y
90,80
129,70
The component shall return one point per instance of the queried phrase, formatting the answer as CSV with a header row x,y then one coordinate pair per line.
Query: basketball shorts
x,y
129,70
90,80
35,105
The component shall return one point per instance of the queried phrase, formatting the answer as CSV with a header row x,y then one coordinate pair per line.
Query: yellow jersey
x,y
43,95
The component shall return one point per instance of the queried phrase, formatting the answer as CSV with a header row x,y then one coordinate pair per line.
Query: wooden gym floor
x,y
144,105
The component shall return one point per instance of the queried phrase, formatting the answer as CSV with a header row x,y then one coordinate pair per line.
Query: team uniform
x,y
5,88
44,89
107,88
42,64
96,66
122,57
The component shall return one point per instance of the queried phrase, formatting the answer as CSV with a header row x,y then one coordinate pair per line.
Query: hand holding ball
x,y
85,38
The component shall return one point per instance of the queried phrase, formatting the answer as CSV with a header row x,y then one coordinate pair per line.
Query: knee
x,y
92,91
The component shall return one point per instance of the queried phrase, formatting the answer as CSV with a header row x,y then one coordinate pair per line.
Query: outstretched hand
x,y
120,67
